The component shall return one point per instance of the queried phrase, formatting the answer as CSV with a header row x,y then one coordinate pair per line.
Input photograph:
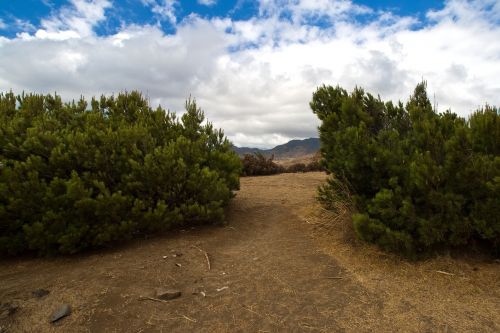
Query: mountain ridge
x,y
292,149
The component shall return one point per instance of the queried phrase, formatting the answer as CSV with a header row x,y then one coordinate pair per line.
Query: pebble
x,y
61,312
39,293
167,294
7,309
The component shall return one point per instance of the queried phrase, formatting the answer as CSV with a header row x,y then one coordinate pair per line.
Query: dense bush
x,y
420,180
73,177
258,165
296,167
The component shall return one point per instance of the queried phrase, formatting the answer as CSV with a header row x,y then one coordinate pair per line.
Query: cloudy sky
x,y
253,65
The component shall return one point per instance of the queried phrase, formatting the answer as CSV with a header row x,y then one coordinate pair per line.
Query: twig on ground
x,y
208,260
252,311
334,277
171,278
146,298
206,256
445,273
190,319
181,316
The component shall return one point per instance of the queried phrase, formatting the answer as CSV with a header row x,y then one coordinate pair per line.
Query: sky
x,y
252,66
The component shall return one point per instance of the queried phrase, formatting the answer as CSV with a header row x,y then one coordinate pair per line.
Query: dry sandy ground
x,y
306,159
281,264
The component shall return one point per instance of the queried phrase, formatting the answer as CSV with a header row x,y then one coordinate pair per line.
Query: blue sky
x,y
253,65
139,12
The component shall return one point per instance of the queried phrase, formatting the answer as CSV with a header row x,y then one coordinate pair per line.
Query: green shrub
x,y
73,178
258,165
297,167
314,165
421,180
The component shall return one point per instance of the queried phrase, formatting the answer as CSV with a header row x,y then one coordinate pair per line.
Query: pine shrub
x,y
74,177
421,180
258,165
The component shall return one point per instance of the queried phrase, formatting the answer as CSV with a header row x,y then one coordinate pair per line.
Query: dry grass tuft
x,y
459,292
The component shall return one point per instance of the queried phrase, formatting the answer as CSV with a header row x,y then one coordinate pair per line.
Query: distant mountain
x,y
291,149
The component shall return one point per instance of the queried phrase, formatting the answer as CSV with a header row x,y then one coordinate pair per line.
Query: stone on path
x,y
61,312
39,293
7,309
167,294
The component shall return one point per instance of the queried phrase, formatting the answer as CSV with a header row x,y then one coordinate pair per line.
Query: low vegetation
x,y
420,180
258,165
74,177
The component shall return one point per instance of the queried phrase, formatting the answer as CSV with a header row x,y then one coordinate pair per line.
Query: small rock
x,y
7,309
167,294
178,265
165,257
61,312
39,293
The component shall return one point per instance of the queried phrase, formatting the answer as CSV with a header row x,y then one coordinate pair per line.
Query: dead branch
x,y
146,298
190,319
206,256
208,260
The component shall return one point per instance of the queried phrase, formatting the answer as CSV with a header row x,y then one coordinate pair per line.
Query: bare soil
x,y
280,264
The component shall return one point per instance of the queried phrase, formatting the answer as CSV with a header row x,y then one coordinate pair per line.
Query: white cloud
x,y
256,77
301,11
23,25
164,9
207,2
2,24
77,20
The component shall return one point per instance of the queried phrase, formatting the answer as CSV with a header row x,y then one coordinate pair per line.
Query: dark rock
x,y
167,294
39,293
7,309
61,312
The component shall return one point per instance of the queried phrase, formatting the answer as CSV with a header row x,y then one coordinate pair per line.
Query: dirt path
x,y
273,269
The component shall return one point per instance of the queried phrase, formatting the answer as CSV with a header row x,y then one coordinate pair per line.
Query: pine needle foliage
x,y
421,180
74,177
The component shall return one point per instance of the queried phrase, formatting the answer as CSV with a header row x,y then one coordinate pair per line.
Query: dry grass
x,y
306,159
289,265
448,293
